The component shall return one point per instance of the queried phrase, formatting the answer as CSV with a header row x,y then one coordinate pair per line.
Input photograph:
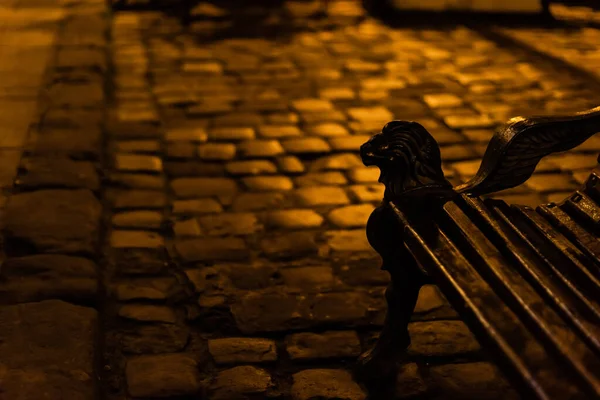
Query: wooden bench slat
x,y
584,313
592,185
583,209
522,298
586,242
573,261
491,319
560,292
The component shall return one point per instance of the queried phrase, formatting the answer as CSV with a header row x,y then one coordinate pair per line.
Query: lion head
x,y
408,158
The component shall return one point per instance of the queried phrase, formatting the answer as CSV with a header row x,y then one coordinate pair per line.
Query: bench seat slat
x,y
572,260
491,319
583,209
578,235
523,299
556,289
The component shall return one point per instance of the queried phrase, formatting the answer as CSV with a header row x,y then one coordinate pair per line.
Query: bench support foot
x,y
380,364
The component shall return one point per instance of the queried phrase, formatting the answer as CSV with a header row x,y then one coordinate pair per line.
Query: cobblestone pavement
x,y
217,226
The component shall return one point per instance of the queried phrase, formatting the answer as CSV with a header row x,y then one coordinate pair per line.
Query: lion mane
x,y
409,159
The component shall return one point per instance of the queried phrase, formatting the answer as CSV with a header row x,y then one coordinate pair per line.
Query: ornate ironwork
x,y
411,170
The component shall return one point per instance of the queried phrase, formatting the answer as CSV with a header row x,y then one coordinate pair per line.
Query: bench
x,y
526,281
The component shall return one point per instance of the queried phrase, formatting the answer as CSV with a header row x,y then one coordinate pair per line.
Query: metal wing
x,y
514,151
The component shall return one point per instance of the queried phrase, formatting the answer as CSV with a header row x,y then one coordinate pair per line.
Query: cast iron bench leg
x,y
381,362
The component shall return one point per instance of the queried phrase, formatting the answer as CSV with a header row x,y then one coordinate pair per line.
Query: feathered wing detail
x,y
514,152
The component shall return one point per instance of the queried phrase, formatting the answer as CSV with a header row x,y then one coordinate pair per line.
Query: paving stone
x,y
240,350
293,219
196,206
289,245
240,382
137,181
154,339
147,313
212,249
77,119
210,109
364,175
467,169
341,93
409,382
136,239
144,289
138,219
348,143
57,173
33,350
310,279
472,381
325,384
315,117
163,375
73,143
312,105
231,134
305,145
268,183
312,196
336,162
441,338
230,224
52,221
187,228
348,241
253,167
459,153
327,130
551,183
468,122
288,118
429,300
442,100
350,216
290,165
216,151
84,95
329,178
573,161
274,312
138,146
331,344
526,199
279,131
186,134
238,120
370,114
179,150
139,199
81,57
185,188
260,148
258,201
342,307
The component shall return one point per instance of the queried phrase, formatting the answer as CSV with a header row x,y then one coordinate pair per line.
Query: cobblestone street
x,y
184,205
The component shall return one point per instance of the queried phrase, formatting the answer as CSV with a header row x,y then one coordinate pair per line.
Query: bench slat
x,y
491,319
583,209
557,289
572,260
579,236
523,299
